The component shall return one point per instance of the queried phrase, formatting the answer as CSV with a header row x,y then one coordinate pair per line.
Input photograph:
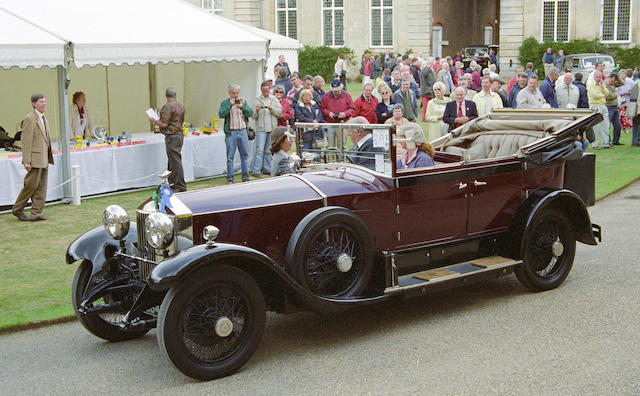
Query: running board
x,y
454,275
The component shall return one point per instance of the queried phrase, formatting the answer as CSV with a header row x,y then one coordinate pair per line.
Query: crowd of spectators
x,y
444,93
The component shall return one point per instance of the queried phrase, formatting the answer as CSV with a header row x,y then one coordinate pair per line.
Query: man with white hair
x,y
444,76
362,151
597,93
567,93
460,111
465,82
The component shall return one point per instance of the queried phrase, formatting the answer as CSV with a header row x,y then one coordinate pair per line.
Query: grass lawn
x,y
35,282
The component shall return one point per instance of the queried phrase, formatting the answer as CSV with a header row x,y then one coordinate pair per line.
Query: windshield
x,y
592,60
366,145
475,51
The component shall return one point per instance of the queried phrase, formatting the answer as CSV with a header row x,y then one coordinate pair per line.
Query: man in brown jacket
x,y
36,157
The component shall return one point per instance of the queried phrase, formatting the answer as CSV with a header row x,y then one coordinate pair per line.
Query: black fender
x,y
98,247
175,269
564,200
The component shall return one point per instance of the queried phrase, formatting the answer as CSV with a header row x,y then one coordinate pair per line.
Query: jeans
x,y
601,129
262,155
237,139
614,120
635,131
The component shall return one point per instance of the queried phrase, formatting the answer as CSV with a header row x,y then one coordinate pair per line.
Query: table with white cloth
x,y
116,168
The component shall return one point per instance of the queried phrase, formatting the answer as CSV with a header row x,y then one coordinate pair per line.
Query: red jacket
x,y
287,112
331,104
367,109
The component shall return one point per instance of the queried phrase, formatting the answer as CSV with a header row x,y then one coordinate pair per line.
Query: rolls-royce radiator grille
x,y
146,251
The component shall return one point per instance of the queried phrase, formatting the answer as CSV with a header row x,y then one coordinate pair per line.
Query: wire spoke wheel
x,y
323,272
211,323
548,252
202,315
330,253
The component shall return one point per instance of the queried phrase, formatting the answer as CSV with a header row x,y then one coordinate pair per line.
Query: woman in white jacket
x,y
81,123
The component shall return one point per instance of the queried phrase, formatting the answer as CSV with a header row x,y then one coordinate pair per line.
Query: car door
x,y
431,206
495,191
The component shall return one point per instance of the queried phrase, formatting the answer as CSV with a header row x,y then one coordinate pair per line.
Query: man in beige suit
x,y
36,157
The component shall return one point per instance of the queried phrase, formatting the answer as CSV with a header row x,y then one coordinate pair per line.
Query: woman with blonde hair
x,y
307,110
418,153
384,108
435,110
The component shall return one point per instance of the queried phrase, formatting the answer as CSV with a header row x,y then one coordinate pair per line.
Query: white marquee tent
x,y
58,33
278,45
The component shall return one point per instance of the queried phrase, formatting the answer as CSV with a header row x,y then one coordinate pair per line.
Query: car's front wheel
x,y
549,249
211,324
106,323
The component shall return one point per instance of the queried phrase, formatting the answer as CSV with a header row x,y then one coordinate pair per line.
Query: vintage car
x,y
478,53
508,193
585,63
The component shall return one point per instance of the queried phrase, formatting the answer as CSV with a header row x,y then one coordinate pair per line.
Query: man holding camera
x,y
236,112
266,114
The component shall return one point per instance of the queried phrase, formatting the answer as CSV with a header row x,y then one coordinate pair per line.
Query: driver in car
x,y
362,152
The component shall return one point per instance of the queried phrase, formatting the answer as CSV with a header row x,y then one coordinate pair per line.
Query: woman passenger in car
x,y
397,119
418,153
281,162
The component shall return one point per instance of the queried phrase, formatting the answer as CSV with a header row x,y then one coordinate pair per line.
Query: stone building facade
x,y
437,27
611,21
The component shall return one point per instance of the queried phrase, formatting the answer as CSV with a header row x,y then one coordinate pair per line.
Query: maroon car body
x,y
336,236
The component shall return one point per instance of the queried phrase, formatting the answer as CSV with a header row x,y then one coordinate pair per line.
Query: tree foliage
x,y
531,51
320,60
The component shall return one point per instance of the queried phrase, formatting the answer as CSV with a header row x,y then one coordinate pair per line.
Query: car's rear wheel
x,y
549,250
105,324
331,253
211,324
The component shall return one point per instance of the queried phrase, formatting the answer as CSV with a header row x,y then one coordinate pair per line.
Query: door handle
x,y
479,183
462,186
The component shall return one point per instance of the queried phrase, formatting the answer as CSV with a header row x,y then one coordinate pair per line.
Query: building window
x,y
381,23
488,35
287,18
436,41
213,6
555,20
333,22
616,18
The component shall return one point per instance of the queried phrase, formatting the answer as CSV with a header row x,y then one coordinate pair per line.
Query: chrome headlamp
x,y
116,221
158,228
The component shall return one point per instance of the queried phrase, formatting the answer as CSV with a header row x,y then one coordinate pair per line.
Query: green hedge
x,y
320,60
531,51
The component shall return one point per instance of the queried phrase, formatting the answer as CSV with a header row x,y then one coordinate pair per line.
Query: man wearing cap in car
x,y
336,106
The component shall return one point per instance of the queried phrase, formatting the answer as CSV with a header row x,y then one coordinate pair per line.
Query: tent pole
x,y
65,129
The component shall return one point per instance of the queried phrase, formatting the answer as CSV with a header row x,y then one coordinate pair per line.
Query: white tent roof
x,y
22,44
126,31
